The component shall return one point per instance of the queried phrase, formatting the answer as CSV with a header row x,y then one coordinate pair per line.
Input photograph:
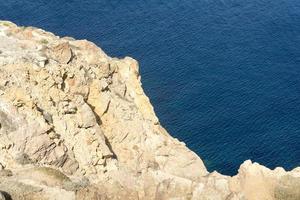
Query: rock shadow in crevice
x,y
6,195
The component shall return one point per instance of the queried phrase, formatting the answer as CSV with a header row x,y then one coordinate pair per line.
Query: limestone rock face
x,y
76,124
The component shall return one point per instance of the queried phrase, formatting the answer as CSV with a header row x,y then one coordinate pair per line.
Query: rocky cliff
x,y
76,124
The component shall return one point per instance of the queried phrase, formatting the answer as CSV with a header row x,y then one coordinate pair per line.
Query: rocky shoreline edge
x,y
76,124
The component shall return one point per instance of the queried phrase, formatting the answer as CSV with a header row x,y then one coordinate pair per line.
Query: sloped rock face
x,y
76,124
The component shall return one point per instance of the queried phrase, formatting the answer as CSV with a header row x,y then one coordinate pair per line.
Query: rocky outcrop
x,y
76,124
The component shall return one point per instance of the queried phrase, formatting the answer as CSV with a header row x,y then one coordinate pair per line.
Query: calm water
x,y
223,75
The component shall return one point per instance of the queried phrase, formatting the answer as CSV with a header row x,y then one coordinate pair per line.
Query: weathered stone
x,y
2,196
68,108
5,172
62,53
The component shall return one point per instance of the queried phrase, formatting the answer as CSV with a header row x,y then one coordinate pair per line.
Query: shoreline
x,y
72,114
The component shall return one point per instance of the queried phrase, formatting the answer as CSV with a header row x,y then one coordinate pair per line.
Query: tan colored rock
x,y
62,53
2,196
258,182
76,124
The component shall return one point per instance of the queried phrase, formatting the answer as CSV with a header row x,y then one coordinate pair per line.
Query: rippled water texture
x,y
223,75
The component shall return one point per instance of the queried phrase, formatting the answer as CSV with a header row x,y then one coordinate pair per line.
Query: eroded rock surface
x,y
76,124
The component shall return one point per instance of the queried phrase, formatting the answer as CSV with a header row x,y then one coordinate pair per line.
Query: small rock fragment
x,y
62,53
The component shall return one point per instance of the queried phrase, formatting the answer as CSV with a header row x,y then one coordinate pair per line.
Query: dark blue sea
x,y
223,75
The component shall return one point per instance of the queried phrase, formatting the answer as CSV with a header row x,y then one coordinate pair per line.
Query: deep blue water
x,y
223,75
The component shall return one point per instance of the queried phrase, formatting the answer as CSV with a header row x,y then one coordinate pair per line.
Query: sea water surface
x,y
223,75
